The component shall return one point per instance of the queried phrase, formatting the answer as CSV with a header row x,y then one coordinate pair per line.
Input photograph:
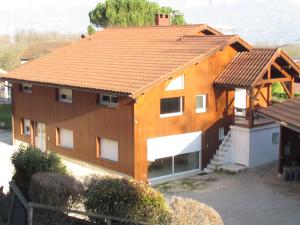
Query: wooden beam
x,y
266,100
275,80
292,87
269,73
259,90
251,104
286,89
269,90
284,73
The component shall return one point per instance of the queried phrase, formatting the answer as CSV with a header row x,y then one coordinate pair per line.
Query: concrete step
x,y
221,153
232,168
206,170
216,162
218,157
211,167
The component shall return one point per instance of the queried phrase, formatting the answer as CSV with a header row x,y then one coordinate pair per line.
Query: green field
x,y
5,116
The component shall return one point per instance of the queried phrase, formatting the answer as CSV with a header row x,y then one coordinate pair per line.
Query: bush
x,y
29,160
190,212
126,199
55,190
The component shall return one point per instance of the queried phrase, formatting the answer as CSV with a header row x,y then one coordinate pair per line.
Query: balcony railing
x,y
248,118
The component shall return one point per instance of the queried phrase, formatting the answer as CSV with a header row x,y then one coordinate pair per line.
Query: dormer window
x,y
27,88
65,95
108,100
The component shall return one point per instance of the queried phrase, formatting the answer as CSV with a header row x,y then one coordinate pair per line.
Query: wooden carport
x,y
287,114
256,71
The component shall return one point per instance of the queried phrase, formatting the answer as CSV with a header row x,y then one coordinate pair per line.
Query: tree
x,y
91,30
130,13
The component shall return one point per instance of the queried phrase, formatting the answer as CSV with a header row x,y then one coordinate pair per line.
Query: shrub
x,y
126,199
55,190
29,160
190,212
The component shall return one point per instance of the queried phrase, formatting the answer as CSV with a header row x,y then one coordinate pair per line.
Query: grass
x,y
5,116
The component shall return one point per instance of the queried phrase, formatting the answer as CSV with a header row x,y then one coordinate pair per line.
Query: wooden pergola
x,y
256,71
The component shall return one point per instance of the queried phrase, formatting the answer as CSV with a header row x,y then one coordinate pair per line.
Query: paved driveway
x,y
6,151
255,197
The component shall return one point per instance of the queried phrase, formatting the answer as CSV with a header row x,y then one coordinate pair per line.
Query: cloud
x,y
188,4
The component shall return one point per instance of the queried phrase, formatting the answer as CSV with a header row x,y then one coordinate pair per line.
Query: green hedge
x,y
29,160
126,199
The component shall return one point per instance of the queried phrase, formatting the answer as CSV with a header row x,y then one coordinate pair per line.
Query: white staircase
x,y
222,156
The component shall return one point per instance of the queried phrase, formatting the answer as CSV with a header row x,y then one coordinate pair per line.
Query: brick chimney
x,y
162,19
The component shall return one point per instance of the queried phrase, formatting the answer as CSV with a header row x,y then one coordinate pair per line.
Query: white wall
x,y
254,147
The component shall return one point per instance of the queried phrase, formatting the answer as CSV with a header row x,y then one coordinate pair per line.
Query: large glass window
x,y
186,162
171,106
160,167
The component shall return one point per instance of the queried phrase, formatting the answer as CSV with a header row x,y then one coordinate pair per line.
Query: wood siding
x,y
198,80
84,117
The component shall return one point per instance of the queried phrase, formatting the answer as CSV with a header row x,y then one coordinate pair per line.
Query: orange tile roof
x,y
246,67
126,60
41,48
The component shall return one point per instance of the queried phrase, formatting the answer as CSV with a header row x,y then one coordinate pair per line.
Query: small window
x,y
221,133
108,149
161,15
166,16
200,103
171,106
65,95
64,138
26,127
27,88
176,84
275,138
108,100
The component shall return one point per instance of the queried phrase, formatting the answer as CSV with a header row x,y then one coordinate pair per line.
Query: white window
x,y
27,88
109,149
176,84
65,95
108,100
65,138
200,103
221,133
26,127
171,106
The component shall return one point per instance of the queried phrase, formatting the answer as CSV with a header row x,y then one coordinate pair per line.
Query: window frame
x,y
58,138
26,88
180,113
109,103
172,87
65,100
204,108
23,130
99,150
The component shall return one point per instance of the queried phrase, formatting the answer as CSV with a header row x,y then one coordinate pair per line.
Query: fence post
x,y
29,215
11,208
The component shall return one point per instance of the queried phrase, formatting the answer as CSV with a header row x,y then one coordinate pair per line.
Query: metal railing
x,y
30,206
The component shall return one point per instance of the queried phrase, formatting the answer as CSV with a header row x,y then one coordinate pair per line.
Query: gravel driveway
x,y
6,151
255,197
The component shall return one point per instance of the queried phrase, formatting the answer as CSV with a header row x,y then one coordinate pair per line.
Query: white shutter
x,y
66,138
109,149
166,146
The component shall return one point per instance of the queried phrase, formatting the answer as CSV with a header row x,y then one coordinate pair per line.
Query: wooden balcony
x,y
248,118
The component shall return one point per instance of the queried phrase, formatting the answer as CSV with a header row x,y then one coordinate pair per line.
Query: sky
x,y
257,21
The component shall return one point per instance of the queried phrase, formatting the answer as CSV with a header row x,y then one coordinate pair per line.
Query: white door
x,y
240,102
40,136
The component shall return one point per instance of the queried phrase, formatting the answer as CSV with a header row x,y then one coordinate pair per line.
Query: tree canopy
x,y
130,13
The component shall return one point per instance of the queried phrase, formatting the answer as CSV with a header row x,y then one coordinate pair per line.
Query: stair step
x,y
220,153
211,167
216,162
218,157
206,170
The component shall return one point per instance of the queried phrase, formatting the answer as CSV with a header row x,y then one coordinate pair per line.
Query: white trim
x,y
67,92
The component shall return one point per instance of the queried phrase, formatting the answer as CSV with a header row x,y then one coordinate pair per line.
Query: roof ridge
x,y
154,26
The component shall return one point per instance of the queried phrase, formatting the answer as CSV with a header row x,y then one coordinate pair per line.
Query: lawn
x,y
5,116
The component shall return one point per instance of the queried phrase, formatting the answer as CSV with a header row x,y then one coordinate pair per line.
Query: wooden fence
x,y
30,206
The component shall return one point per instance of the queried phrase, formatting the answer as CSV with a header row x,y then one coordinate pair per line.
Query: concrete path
x,y
252,197
6,151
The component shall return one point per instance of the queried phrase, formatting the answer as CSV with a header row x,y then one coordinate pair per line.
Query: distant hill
x,y
293,51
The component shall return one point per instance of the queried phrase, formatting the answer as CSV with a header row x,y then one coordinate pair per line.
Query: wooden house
x,y
154,103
